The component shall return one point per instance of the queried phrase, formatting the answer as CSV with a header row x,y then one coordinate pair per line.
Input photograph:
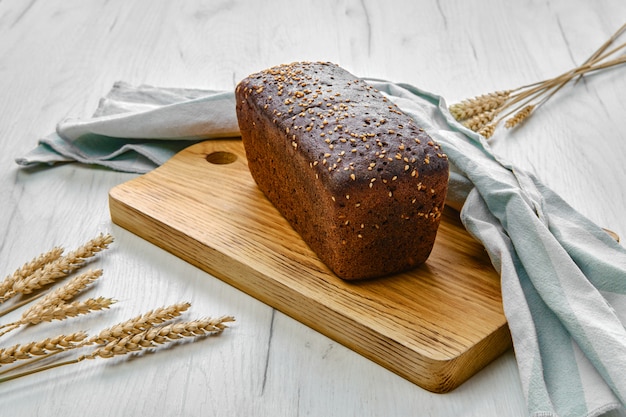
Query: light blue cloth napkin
x,y
563,277
136,129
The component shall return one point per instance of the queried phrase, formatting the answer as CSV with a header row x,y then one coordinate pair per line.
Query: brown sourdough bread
x,y
354,176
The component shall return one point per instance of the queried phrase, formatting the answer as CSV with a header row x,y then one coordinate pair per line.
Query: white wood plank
x,y
58,57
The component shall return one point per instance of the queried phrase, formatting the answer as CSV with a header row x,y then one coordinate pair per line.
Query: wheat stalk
x,y
488,130
480,120
480,104
152,337
60,312
139,324
520,116
28,269
53,306
131,327
63,293
59,268
483,113
65,310
145,331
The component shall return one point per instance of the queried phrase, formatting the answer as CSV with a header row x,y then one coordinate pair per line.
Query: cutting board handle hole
x,y
221,158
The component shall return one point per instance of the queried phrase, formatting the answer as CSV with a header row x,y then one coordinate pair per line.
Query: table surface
x,y
57,58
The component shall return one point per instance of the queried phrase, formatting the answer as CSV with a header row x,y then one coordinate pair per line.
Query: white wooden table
x,y
57,58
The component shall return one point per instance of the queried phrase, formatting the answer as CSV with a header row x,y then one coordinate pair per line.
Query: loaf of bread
x,y
354,176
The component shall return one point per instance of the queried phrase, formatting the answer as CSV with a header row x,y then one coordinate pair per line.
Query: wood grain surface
x,y
436,325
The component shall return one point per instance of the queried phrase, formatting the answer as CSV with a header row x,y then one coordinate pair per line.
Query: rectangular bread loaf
x,y
354,176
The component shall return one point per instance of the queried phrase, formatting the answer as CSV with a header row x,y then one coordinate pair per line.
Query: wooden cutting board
x,y
435,326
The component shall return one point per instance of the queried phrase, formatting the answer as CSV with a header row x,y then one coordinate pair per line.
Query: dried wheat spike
x,y
140,323
63,293
44,347
477,122
479,104
75,286
190,328
60,311
519,117
488,130
27,269
65,310
160,335
61,267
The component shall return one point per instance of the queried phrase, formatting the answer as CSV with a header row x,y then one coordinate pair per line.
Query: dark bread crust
x,y
353,175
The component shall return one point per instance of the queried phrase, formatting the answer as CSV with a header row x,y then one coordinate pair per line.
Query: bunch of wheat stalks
x,y
149,330
483,113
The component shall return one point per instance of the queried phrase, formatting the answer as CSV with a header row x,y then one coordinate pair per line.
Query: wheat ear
x,y
28,269
479,104
60,267
65,310
477,113
132,326
62,312
519,117
154,336
146,339
139,324
45,347
478,121
488,130
53,306
63,293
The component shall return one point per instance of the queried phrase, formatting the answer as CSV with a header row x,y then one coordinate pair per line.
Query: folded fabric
x,y
136,129
563,277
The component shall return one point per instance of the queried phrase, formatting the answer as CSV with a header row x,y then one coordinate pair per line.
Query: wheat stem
x,y
595,56
6,328
19,304
39,369
146,339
